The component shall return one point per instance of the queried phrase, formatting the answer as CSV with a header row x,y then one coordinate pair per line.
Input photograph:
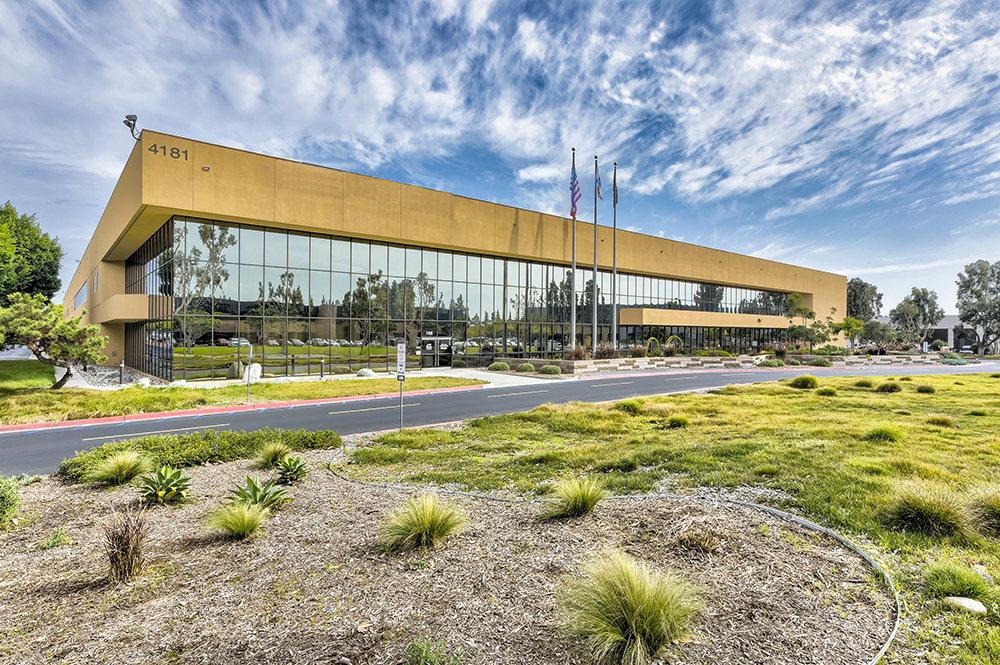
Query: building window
x,y
80,298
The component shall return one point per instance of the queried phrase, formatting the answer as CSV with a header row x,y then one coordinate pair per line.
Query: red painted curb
x,y
223,409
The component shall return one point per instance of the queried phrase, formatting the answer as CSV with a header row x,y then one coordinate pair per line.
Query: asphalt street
x,y
41,451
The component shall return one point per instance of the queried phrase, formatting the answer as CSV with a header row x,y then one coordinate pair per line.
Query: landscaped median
x,y
23,400
905,466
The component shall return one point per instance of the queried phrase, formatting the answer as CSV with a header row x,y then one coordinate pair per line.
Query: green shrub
x,y
674,422
925,388
633,406
792,362
340,369
576,497
165,486
57,539
771,362
995,376
949,579
889,387
291,469
905,378
266,496
430,652
977,412
499,366
941,421
827,392
120,467
984,505
194,449
525,367
624,612
423,522
239,519
10,499
884,433
125,535
820,362
927,508
863,383
272,453
804,382
459,364
549,369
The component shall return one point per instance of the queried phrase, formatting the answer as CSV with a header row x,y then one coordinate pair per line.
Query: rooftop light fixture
x,y
130,123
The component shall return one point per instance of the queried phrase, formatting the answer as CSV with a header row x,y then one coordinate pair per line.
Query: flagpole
x,y
572,288
614,262
594,275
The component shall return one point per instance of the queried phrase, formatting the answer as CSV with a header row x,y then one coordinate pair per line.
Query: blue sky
x,y
861,138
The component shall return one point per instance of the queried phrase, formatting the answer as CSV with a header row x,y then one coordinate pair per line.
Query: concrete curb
x,y
135,417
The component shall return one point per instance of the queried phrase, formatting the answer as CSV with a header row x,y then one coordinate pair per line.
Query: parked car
x,y
222,341
272,342
966,349
239,341
296,342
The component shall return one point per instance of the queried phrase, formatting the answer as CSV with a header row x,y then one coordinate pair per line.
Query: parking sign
x,y
401,361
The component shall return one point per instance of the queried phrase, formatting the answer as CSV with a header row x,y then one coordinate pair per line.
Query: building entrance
x,y
436,351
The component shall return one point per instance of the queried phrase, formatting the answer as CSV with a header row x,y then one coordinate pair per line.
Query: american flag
x,y
574,192
597,181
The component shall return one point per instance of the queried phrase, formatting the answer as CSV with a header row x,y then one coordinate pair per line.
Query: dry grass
x,y
125,534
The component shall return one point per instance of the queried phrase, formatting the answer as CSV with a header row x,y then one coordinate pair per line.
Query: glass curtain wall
x,y
308,303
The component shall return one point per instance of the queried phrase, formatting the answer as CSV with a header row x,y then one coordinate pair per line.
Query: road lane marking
x,y
160,431
529,392
374,408
620,383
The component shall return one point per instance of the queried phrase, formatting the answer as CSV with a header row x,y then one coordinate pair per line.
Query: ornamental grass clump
x,y
827,392
625,612
239,519
119,468
941,421
701,539
10,499
125,535
632,406
928,508
272,453
889,387
771,362
984,504
424,521
863,383
925,389
945,579
884,433
575,497
677,422
804,382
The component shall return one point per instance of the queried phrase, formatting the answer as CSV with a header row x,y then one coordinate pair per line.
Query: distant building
x,y
205,252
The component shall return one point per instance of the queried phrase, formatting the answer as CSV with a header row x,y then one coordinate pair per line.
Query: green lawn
x,y
813,447
20,374
32,406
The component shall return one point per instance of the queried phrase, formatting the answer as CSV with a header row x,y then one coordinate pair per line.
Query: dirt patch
x,y
314,587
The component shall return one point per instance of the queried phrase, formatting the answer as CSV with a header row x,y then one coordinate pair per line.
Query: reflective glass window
x,y
397,261
359,257
379,259
340,287
444,265
298,251
430,264
460,271
475,270
251,283
486,264
251,247
341,255
275,248
319,253
413,267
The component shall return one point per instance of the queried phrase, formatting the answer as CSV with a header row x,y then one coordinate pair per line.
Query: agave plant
x,y
166,485
291,469
266,496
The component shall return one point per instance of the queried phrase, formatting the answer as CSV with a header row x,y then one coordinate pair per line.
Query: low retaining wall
x,y
709,362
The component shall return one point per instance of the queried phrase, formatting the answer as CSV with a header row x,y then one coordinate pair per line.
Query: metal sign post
x,y
401,376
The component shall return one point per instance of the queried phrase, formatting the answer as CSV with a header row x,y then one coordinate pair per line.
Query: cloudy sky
x,y
861,138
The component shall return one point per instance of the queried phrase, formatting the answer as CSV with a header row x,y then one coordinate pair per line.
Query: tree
x,y
979,302
879,334
864,302
29,258
852,328
916,315
33,322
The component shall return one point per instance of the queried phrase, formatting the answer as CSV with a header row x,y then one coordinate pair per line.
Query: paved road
x,y
41,451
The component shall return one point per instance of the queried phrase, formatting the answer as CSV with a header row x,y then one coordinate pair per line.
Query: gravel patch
x,y
314,587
